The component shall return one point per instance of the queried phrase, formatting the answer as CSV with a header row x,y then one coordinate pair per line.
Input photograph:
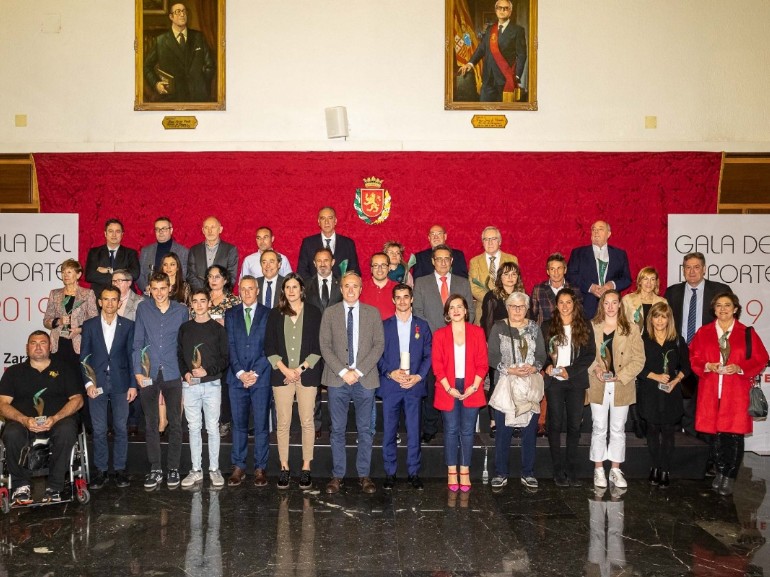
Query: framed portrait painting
x,y
490,55
180,55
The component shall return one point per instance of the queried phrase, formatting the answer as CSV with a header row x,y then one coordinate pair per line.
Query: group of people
x,y
425,337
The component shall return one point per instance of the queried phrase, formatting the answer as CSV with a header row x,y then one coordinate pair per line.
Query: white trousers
x,y
604,415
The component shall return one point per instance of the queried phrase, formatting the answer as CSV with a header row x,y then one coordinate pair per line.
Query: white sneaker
x,y
617,478
600,479
193,478
216,478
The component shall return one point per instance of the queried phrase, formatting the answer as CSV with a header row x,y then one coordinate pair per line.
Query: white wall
x,y
700,66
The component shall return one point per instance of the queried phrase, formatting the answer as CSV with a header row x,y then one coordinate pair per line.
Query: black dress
x,y
656,406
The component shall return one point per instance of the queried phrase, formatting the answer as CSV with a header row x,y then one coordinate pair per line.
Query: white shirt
x,y
720,332
404,330
273,291
497,256
356,309
320,280
252,265
252,308
602,253
564,357
699,288
332,238
460,362
448,281
108,330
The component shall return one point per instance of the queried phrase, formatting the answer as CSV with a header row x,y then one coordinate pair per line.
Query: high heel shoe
x,y
465,487
654,476
452,482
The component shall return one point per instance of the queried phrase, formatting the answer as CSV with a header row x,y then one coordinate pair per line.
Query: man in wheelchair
x,y
39,398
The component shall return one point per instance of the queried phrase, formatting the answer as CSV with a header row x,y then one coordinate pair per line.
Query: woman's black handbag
x,y
757,402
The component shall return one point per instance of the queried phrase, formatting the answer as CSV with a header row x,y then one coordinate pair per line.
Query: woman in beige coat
x,y
636,305
612,386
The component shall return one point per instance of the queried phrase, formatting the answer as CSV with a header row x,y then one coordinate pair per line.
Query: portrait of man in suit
x,y
103,260
343,249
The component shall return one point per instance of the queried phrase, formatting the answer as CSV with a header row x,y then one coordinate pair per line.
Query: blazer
x,y
580,359
628,360
132,301
55,310
582,273
420,348
227,256
728,414
479,274
313,293
427,299
424,264
675,297
275,344
345,249
277,285
476,365
631,303
99,256
116,362
334,345
147,262
247,351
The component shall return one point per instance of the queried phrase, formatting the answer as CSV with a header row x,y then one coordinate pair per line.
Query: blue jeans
x,y
98,408
339,403
503,445
459,426
255,399
206,397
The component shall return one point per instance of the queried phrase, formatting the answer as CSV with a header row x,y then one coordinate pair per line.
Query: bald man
x,y
211,251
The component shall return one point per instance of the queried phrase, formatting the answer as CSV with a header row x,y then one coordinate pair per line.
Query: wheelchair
x,y
75,484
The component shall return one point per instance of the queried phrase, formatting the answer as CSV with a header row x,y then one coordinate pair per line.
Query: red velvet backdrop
x,y
542,202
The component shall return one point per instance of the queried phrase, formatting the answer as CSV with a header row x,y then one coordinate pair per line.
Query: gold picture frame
x,y
195,84
470,37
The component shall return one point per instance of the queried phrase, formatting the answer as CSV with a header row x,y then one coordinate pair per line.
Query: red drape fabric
x,y
542,202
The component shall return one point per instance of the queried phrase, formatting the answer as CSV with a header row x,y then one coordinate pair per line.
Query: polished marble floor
x,y
685,530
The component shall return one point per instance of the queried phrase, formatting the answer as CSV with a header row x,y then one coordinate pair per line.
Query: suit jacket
x,y
192,67
427,299
277,284
513,46
345,249
99,256
132,301
424,264
675,297
334,345
147,262
479,274
580,359
275,344
476,364
247,351
542,303
628,361
313,293
55,309
116,362
227,256
420,347
582,273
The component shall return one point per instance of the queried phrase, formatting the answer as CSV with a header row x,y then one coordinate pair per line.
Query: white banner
x,y
737,251
32,248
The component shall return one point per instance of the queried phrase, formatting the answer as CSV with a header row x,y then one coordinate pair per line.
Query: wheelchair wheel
x,y
83,496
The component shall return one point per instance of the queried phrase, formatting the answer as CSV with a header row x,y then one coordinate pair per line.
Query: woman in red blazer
x,y
718,356
460,365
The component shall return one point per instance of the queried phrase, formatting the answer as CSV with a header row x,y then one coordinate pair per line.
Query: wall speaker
x,y
336,122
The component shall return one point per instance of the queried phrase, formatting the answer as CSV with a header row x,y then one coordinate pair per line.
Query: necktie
x,y
325,293
691,314
500,29
602,271
351,360
247,310
492,269
112,259
269,295
444,290
181,40
328,243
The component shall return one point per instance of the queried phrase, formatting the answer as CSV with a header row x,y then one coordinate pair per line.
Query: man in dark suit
x,y
596,268
402,389
248,381
504,51
210,252
690,303
179,67
271,282
103,260
151,255
105,356
343,249
424,259
352,342
430,294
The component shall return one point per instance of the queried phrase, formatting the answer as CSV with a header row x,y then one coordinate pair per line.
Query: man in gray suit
x,y
352,341
210,252
271,282
430,294
152,254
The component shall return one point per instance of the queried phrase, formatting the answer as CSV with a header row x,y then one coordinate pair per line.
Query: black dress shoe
x,y
98,480
726,487
561,480
654,477
427,438
575,482
663,480
416,482
711,469
390,482
122,480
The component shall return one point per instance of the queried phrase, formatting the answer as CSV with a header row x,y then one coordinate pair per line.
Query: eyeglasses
x,y
503,8
517,307
179,12
442,258
162,228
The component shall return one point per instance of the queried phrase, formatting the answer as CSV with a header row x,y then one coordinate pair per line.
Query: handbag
x,y
757,403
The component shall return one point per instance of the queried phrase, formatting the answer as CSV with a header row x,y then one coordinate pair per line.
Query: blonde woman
x,y
636,305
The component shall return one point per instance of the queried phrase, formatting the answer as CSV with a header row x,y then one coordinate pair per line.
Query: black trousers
x,y
660,442
430,414
565,411
729,448
172,393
